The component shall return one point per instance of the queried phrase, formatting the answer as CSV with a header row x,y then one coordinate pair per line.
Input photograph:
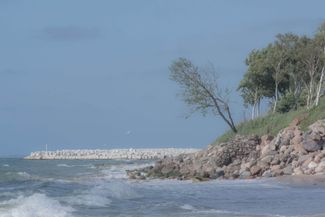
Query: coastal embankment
x,y
110,154
291,152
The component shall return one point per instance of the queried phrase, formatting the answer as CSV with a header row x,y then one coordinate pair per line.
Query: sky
x,y
94,74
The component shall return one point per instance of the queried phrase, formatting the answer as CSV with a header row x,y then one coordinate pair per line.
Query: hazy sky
x,y
94,74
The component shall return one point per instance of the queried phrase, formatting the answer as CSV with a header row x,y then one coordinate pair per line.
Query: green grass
x,y
273,123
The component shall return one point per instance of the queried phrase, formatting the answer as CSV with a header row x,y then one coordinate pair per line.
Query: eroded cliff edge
x,y
291,152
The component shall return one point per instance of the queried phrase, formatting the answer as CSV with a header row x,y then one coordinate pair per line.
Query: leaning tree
x,y
200,89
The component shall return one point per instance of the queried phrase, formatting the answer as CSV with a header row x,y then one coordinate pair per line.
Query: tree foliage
x,y
200,89
286,71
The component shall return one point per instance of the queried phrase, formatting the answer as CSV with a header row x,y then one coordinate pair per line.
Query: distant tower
x,y
46,148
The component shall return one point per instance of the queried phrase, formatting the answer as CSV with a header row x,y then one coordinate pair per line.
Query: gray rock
x,y
245,175
310,144
318,127
219,173
312,165
255,170
267,174
267,159
287,170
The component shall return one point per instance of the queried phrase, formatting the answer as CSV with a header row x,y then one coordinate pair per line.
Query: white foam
x,y
63,165
36,205
24,175
89,199
8,176
5,165
81,165
119,190
119,171
187,207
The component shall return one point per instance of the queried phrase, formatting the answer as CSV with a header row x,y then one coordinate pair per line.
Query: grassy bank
x,y
273,123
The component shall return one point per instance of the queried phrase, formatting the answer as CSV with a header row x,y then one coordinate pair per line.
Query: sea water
x,y
68,188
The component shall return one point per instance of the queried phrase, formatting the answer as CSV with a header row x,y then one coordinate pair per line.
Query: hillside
x,y
277,144
272,123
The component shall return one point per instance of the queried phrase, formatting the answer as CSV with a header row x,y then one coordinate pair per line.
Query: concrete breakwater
x,y
103,154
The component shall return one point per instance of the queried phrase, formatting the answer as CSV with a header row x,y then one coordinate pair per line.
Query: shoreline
x,y
302,180
291,152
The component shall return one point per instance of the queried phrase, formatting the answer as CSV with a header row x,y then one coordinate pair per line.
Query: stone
x,y
219,172
264,166
251,163
297,171
276,160
265,150
278,172
295,122
283,148
287,170
312,165
255,170
317,158
318,127
320,168
265,140
267,159
267,174
275,167
311,145
245,175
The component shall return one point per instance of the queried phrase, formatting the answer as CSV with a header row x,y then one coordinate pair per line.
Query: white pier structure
x,y
103,154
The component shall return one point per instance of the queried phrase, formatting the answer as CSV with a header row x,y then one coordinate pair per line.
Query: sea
x,y
86,188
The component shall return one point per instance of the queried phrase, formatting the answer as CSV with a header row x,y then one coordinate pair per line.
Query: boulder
x,y
267,174
245,175
312,165
298,171
255,170
310,144
318,127
287,170
265,140
320,168
267,159
219,173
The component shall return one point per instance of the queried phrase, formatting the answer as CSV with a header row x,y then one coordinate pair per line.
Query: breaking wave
x,y
36,205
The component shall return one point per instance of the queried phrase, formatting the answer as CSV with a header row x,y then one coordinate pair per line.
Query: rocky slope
x,y
291,152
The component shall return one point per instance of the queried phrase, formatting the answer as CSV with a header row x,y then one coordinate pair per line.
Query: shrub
x,y
289,102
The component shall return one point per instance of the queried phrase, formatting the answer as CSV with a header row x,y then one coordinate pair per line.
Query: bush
x,y
274,122
289,102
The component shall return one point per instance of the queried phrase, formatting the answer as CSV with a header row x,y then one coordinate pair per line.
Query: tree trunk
x,y
310,90
253,111
276,96
232,125
319,87
258,108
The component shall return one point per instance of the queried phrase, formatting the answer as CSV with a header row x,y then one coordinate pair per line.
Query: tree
x,y
257,82
320,41
200,89
279,59
297,68
311,57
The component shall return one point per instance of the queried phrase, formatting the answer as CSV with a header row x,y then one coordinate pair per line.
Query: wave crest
x,y
36,205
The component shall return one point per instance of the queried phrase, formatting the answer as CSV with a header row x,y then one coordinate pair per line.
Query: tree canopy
x,y
200,89
290,70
